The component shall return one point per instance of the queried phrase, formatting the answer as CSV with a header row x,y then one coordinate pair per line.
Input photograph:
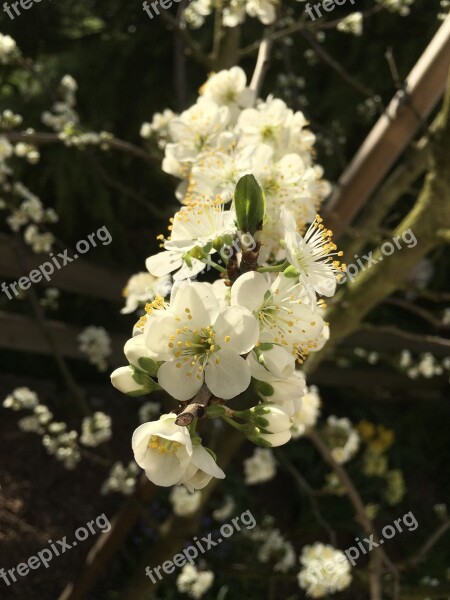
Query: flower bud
x,y
132,382
139,356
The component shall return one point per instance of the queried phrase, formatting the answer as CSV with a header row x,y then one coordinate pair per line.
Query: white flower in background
x,y
95,343
226,510
325,570
62,444
352,23
159,127
228,88
184,503
196,11
342,438
201,470
121,479
312,255
402,7
8,49
96,430
39,242
50,299
260,467
308,414
286,316
195,225
274,546
6,149
264,10
144,287
194,582
148,411
20,399
163,450
234,13
199,343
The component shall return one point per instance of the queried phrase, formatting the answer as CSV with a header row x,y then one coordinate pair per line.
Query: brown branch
x,y
45,138
417,310
392,133
358,505
262,62
196,408
421,555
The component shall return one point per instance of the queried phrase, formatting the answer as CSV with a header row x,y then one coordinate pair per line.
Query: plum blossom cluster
x,y
121,479
250,192
325,570
260,467
96,430
183,503
342,438
228,133
8,49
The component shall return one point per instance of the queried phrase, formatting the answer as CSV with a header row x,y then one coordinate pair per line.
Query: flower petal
x,y
197,300
248,290
176,381
164,263
227,374
239,327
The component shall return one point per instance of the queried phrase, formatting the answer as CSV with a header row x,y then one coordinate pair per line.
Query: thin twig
x,y
44,138
357,503
196,408
421,554
262,62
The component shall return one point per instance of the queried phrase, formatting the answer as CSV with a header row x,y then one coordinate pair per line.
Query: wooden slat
x,y
21,333
392,133
79,276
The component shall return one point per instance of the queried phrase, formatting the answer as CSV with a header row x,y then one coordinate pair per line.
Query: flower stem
x,y
275,268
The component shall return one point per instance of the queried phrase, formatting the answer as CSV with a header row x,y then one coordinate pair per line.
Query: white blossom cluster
x,y
96,430
56,439
260,467
148,411
183,503
95,343
8,50
234,12
21,398
274,547
426,365
121,479
64,119
229,133
325,570
62,444
194,582
352,23
342,438
251,330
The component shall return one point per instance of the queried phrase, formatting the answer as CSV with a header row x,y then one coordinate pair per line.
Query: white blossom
x,y
260,467
325,570
183,502
95,343
144,287
194,582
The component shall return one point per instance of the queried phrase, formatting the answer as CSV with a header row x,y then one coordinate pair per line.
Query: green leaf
x,y
250,204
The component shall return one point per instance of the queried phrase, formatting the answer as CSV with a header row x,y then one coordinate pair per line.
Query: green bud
x,y
215,411
250,204
149,366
